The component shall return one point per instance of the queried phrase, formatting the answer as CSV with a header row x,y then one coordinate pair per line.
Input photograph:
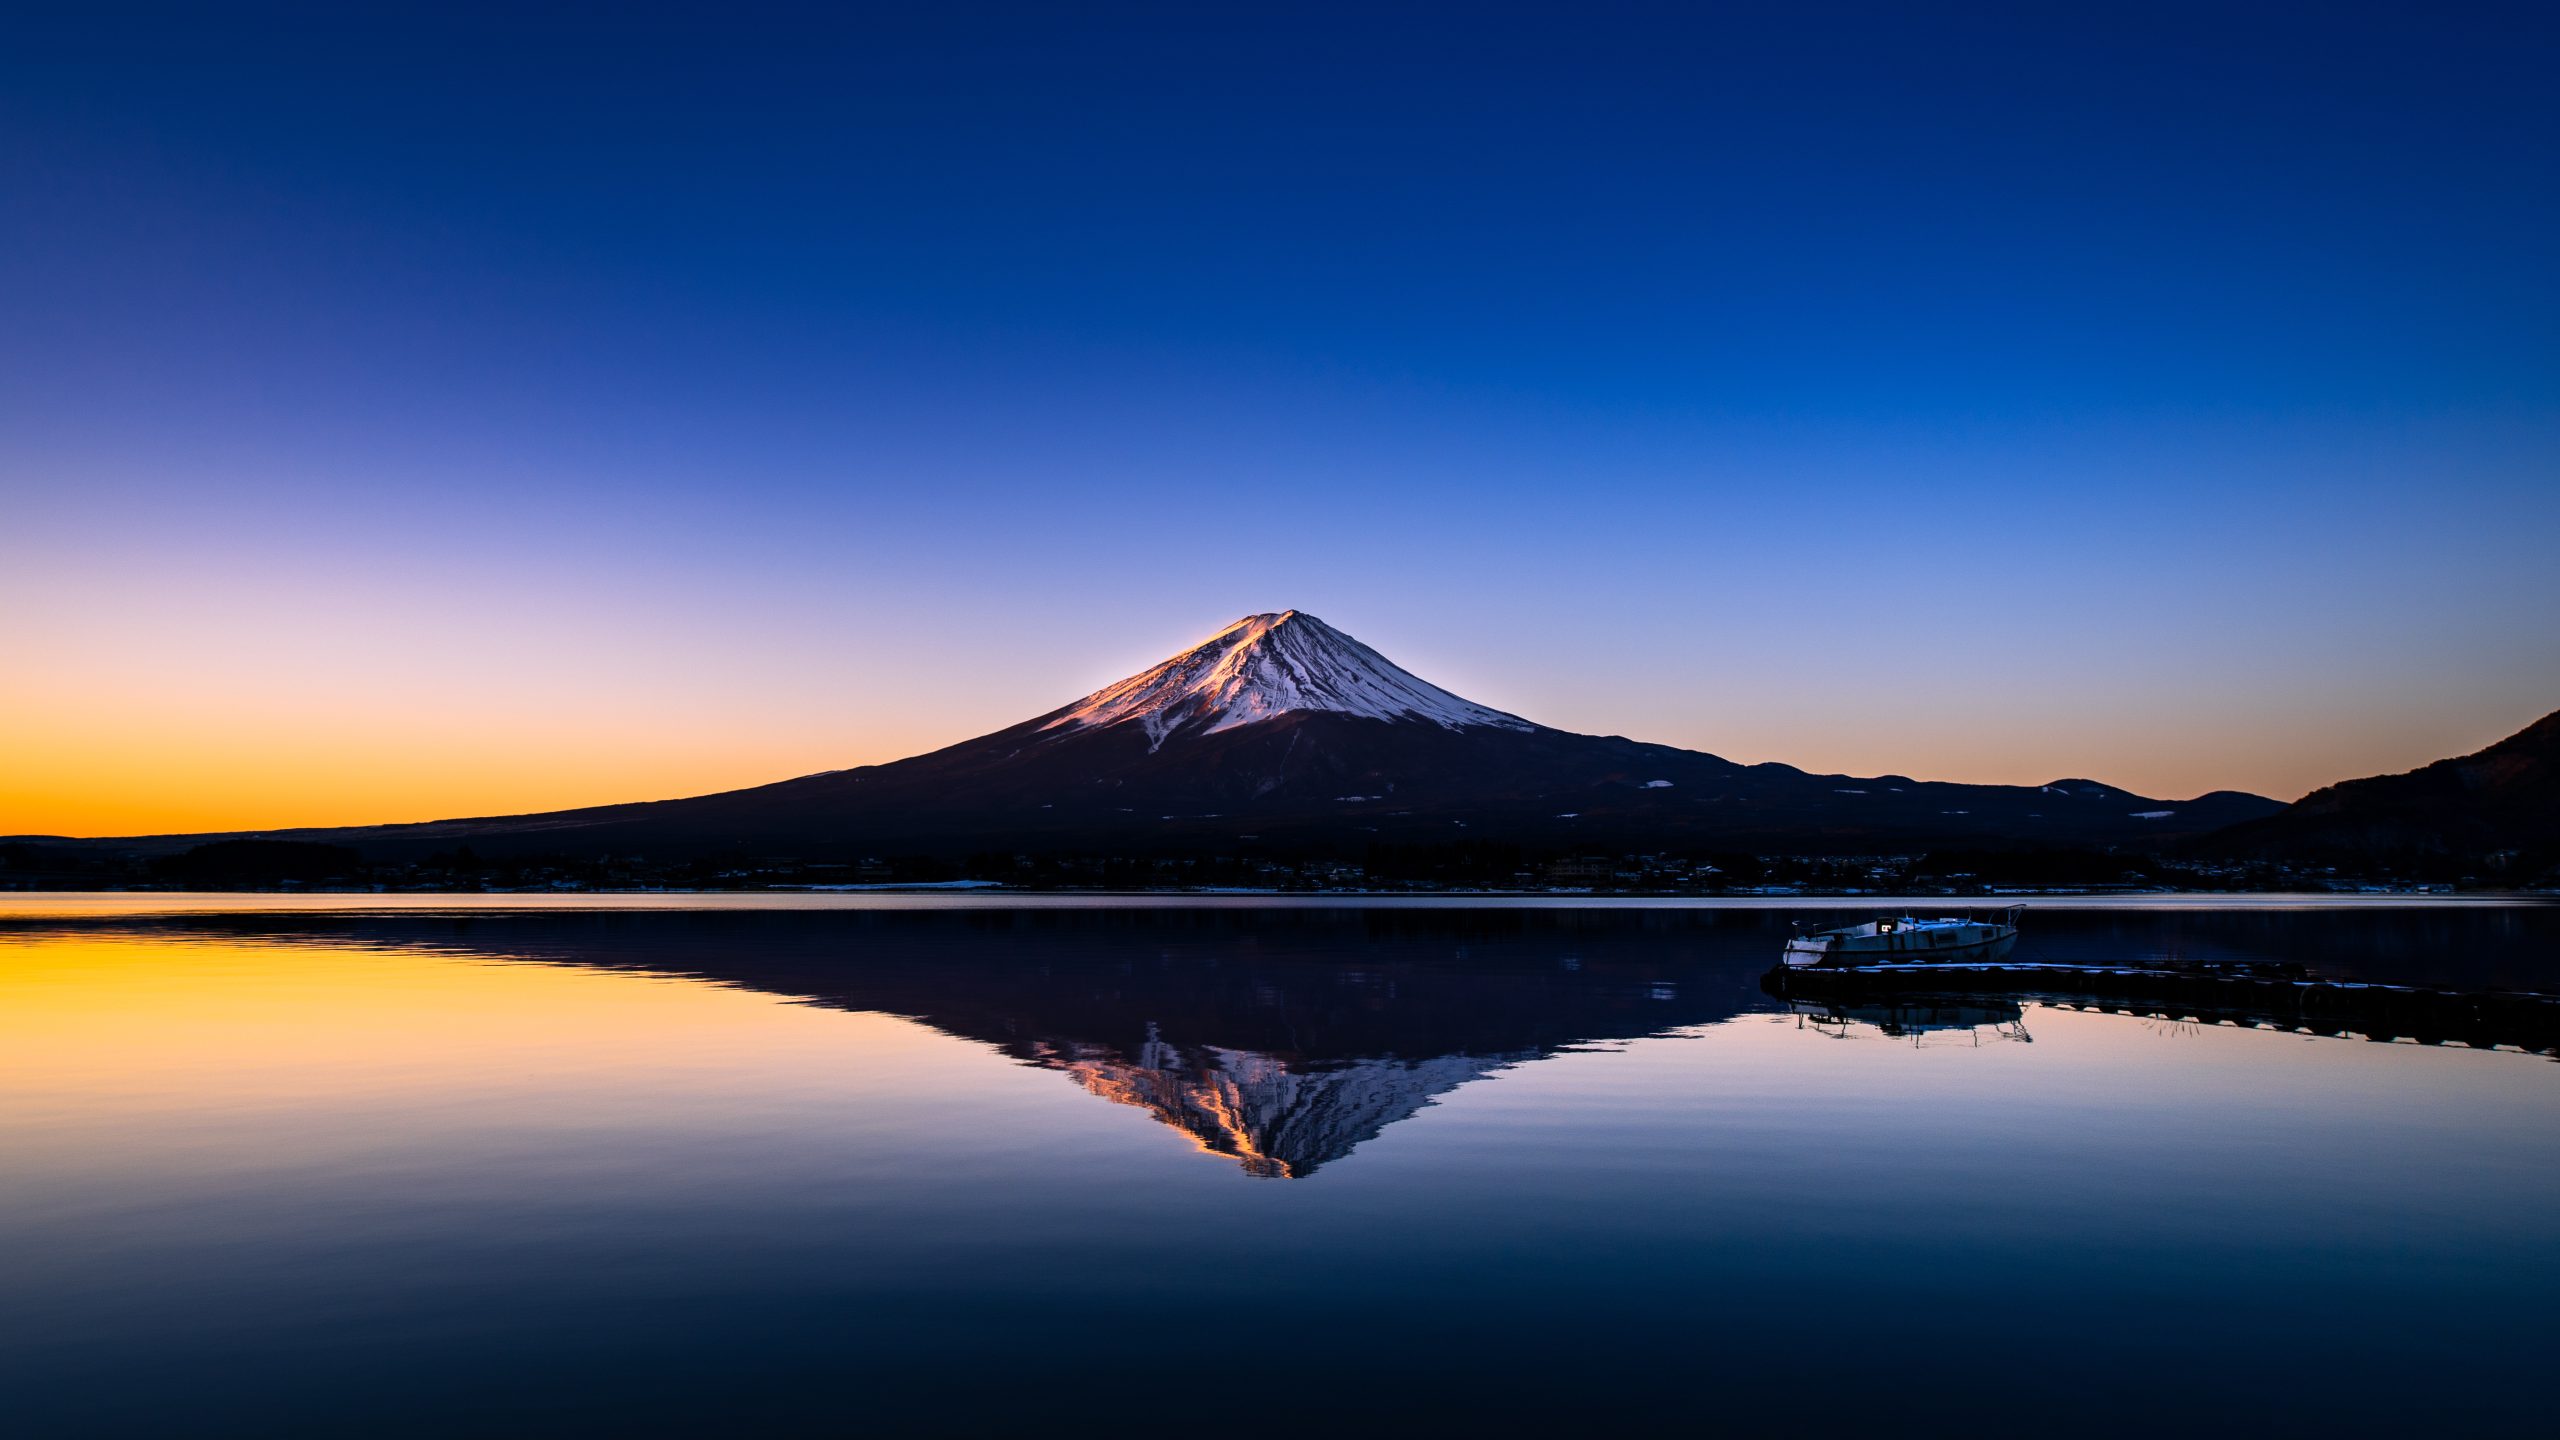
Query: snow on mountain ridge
x,y
1275,1119
1267,665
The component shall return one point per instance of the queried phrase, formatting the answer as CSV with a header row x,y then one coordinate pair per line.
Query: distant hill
x,y
2504,798
1282,733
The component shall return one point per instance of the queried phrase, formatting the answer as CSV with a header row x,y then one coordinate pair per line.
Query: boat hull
x,y
1914,949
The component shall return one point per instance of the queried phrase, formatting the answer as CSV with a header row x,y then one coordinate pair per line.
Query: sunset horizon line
x,y
598,795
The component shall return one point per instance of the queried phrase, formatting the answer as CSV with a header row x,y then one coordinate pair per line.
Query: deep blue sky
x,y
682,396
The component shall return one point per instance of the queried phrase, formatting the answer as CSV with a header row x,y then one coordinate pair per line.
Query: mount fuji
x,y
1266,666
1282,732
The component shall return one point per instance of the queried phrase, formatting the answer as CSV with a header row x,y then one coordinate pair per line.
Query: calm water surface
x,y
1086,1169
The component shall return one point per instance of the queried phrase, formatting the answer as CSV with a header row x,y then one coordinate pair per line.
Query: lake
x,y
627,1165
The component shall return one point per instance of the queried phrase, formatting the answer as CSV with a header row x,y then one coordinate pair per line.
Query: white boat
x,y
1909,940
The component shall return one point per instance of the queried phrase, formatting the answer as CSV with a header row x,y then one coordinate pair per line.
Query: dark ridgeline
x,y
2498,808
1284,1038
1284,735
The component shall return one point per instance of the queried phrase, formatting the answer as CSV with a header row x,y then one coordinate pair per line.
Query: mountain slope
x,y
2506,797
1281,731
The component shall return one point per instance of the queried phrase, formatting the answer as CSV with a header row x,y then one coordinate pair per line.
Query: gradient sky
x,y
419,411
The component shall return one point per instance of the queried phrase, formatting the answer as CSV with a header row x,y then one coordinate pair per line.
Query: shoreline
x,y
26,905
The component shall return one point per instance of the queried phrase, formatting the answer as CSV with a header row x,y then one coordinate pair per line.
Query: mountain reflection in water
x,y
1283,1039
1277,1122
1280,1040
693,1172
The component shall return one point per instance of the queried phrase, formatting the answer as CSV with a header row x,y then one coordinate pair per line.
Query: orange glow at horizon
x,y
194,730
132,1024
101,770
147,778
178,793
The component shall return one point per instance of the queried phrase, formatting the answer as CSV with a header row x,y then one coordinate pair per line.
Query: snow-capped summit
x,y
1267,665
1276,1119
1281,733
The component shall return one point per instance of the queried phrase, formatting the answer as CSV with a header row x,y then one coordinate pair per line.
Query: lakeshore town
x,y
275,865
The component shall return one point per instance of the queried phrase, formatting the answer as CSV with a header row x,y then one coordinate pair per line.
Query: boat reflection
x,y
1920,1022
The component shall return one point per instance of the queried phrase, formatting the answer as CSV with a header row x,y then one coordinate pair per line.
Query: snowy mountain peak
x,y
1273,664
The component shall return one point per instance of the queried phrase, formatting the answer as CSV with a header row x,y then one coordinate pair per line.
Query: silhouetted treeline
x,y
2057,866
253,864
1460,862
29,865
1445,865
